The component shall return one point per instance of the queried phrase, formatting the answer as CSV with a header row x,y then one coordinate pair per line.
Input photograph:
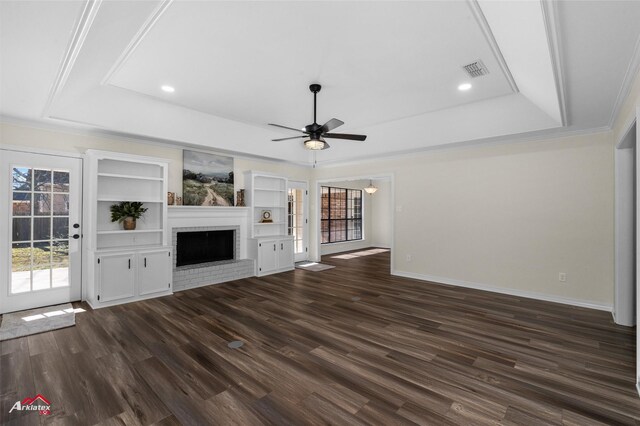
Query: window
x,y
341,218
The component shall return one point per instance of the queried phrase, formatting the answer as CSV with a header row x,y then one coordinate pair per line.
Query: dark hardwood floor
x,y
407,352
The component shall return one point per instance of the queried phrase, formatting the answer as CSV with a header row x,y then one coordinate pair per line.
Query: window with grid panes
x,y
341,215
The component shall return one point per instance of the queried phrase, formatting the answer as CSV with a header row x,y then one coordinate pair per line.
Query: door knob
x,y
75,236
76,225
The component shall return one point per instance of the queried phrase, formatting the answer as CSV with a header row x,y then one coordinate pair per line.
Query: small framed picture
x,y
265,216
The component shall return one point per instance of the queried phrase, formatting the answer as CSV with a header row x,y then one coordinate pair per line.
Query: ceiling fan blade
x,y
286,139
344,136
285,127
331,124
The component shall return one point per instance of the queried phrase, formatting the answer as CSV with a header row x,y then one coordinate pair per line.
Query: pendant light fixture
x,y
370,189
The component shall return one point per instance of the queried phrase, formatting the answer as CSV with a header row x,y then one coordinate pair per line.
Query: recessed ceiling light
x,y
464,86
168,89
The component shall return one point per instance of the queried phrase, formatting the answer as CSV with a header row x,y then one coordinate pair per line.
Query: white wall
x,y
381,206
509,217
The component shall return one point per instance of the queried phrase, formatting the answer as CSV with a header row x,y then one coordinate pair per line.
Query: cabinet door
x,y
267,256
154,272
285,253
116,276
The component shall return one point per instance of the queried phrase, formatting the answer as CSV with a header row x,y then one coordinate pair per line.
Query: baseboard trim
x,y
509,291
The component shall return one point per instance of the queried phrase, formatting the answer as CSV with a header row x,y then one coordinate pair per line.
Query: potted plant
x,y
127,212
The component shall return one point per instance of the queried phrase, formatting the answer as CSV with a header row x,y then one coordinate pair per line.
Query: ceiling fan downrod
x,y
315,88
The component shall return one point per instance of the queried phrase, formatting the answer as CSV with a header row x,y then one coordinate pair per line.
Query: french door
x,y
40,234
297,219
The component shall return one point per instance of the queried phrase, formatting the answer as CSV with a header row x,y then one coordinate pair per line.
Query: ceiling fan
x,y
315,133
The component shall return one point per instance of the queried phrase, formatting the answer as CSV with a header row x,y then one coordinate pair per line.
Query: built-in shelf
x,y
269,190
270,245
262,237
203,208
122,231
264,191
121,176
126,198
269,207
125,265
115,249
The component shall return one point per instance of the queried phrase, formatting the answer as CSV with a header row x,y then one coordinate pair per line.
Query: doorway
x,y
40,232
377,215
297,219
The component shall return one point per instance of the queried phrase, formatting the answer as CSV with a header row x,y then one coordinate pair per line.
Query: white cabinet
x,y
267,256
272,254
285,255
154,272
128,276
122,265
116,277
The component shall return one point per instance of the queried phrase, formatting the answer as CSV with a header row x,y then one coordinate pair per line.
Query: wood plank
x,y
408,352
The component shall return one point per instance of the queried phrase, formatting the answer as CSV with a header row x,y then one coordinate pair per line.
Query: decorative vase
x,y
129,223
240,202
171,198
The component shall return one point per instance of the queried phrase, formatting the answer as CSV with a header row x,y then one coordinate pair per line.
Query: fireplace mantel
x,y
208,211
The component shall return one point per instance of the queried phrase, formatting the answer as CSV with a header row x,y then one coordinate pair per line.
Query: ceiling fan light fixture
x,y
370,189
314,144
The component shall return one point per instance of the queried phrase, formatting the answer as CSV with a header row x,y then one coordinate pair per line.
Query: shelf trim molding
x,y
121,176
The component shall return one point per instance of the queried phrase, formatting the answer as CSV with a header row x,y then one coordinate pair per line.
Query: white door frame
x,y
637,263
625,249
5,238
304,185
318,204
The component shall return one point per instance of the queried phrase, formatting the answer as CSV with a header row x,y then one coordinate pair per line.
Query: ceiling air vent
x,y
476,69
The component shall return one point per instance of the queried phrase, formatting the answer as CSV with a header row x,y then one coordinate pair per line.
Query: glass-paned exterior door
x,y
297,219
42,199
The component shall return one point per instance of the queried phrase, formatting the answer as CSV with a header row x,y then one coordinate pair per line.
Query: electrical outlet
x,y
409,258
562,277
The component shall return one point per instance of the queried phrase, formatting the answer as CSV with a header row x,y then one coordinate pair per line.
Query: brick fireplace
x,y
194,220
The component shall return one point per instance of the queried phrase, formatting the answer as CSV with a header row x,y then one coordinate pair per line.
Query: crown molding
x,y
628,127
550,13
135,41
488,35
477,143
78,38
633,70
85,129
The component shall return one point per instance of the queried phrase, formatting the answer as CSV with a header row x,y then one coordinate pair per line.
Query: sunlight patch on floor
x,y
360,253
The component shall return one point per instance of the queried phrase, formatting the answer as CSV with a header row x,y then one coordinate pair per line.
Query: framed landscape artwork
x,y
207,179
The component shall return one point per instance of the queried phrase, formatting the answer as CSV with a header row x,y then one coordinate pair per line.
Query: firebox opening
x,y
204,246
